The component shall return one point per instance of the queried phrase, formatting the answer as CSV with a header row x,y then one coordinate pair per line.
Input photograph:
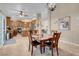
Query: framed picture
x,y
64,23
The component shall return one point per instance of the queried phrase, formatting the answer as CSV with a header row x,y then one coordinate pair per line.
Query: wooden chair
x,y
54,42
32,43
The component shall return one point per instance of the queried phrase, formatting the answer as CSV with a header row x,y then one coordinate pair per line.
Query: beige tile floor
x,y
20,48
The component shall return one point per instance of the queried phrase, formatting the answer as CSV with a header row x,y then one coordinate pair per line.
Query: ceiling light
x,y
21,15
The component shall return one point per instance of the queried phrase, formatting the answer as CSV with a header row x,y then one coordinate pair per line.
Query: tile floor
x,y
20,48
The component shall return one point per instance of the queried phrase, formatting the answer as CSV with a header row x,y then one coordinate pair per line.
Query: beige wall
x,y
67,10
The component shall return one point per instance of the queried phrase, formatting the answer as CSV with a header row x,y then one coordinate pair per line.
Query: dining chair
x,y
32,42
54,42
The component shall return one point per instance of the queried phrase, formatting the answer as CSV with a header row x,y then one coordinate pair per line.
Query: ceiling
x,y
10,9
32,9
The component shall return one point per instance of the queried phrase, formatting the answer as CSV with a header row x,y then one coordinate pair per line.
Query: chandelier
x,y
51,6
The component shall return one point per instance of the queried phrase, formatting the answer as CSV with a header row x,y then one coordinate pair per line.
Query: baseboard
x,y
70,43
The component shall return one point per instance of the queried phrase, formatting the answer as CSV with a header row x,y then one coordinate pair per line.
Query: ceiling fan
x,y
22,13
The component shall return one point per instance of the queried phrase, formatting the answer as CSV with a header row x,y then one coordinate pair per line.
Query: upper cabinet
x,y
8,21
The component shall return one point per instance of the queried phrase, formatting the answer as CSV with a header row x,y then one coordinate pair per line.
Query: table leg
x,y
44,49
40,48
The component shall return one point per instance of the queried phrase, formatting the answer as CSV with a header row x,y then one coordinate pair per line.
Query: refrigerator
x,y
2,30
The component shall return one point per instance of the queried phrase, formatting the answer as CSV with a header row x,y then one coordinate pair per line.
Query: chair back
x,y
56,37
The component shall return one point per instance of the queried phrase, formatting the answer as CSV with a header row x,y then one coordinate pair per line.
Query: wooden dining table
x,y
42,37
42,40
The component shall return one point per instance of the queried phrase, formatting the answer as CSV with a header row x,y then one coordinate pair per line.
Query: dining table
x,y
42,40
